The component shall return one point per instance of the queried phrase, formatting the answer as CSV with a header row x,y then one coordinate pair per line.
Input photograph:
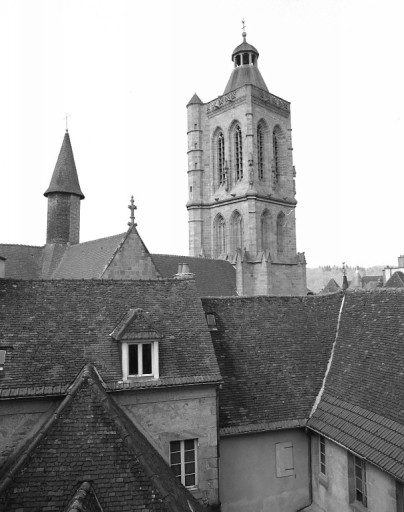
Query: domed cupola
x,y
245,72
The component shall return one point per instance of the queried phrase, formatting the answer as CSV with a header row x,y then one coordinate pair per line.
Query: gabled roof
x,y
89,438
396,280
215,278
362,406
64,177
272,353
56,327
331,287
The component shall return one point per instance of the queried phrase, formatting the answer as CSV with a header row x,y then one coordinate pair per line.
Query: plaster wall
x,y
178,414
248,474
331,492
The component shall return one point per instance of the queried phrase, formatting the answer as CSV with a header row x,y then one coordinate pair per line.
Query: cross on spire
x,y
66,118
132,209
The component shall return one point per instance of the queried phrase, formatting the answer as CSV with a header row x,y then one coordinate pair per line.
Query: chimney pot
x,y
401,261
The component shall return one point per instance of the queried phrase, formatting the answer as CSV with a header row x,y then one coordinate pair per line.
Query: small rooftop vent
x,y
183,272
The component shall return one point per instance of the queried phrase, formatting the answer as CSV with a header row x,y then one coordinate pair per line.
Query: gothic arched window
x,y
220,236
260,151
275,154
220,158
281,233
238,152
265,230
237,231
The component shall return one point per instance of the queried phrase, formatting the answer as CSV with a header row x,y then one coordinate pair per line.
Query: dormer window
x,y
139,345
211,321
140,360
2,359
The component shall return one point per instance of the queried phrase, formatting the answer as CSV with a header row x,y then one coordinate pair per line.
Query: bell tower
x,y
241,182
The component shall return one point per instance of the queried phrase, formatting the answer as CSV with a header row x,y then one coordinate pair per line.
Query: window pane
x,y
190,456
189,445
190,468
189,480
147,358
175,446
176,458
133,360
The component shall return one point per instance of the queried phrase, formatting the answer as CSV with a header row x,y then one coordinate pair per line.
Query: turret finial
x,y
244,34
132,209
66,118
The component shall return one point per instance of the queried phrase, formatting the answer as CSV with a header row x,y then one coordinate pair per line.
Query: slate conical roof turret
x,y
64,178
245,72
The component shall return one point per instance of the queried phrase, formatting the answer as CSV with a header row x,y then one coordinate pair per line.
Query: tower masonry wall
x,y
63,224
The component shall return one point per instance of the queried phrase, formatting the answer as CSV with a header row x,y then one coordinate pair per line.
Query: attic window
x,y
2,359
211,321
140,360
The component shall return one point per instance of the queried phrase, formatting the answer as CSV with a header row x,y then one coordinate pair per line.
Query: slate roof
x,y
363,402
88,259
396,280
244,47
55,327
23,261
195,100
64,178
272,353
89,438
245,75
212,277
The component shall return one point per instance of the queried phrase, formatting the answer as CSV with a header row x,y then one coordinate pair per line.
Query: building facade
x,y
241,182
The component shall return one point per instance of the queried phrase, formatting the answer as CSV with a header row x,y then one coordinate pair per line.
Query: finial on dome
x,y
244,34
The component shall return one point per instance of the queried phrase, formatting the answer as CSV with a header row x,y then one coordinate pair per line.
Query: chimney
x,y
183,272
2,267
401,261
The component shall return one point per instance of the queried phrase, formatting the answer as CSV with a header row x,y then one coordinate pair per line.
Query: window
x,y
323,468
275,155
265,230
238,150
357,480
260,150
284,459
140,360
211,321
237,231
220,158
400,496
183,461
220,236
2,359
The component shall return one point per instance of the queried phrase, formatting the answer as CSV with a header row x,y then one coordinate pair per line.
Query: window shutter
x,y
351,477
284,459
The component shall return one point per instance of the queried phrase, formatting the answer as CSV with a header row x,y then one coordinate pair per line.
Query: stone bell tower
x,y
242,182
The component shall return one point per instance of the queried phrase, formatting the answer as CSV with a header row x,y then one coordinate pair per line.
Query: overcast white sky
x,y
125,70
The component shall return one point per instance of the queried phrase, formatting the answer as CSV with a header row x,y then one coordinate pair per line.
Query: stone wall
x,y
178,414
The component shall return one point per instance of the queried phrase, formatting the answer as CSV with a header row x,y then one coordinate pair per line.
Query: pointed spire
x,y
195,100
64,178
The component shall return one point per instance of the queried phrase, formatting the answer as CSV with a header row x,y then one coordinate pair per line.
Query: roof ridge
x,y
22,245
98,239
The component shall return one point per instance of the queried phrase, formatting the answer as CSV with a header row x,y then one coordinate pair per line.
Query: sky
x,y
124,71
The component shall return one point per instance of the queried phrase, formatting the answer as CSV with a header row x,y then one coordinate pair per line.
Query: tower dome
x,y
245,58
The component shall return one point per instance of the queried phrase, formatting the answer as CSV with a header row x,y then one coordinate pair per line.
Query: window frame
x,y
321,455
260,152
238,152
355,462
154,360
181,477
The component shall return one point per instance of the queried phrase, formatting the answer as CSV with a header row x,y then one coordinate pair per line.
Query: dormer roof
x,y
64,177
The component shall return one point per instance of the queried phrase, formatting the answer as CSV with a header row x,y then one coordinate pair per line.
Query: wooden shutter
x,y
284,459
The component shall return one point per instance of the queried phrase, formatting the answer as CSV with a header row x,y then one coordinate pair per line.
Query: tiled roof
x,y
272,353
243,75
213,278
55,327
195,100
367,373
87,260
23,261
88,438
396,280
64,177
363,432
